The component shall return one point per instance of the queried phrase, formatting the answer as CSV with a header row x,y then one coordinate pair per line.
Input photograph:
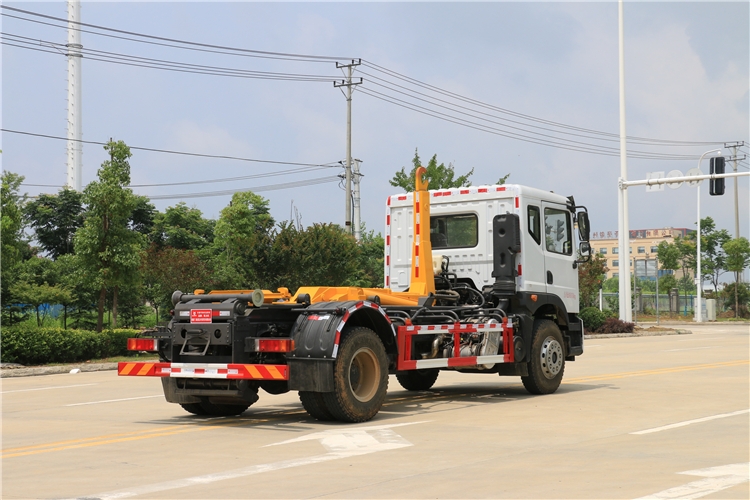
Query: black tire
x,y
223,410
275,386
315,405
194,408
547,363
418,380
360,377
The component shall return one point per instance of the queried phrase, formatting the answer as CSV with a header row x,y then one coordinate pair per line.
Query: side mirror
x,y
584,252
584,229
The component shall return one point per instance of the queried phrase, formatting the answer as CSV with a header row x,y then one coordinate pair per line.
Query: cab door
x,y
561,277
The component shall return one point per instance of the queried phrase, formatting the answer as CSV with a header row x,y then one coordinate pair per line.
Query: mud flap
x,y
314,375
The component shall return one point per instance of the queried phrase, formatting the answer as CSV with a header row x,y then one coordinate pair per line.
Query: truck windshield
x,y
454,231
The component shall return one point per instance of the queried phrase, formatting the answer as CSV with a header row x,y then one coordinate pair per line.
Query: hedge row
x,y
38,346
596,321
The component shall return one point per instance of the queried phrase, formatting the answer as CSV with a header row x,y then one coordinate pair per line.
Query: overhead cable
x,y
184,153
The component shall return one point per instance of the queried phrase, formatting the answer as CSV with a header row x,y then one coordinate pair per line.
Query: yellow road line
x,y
184,428
658,371
60,443
82,444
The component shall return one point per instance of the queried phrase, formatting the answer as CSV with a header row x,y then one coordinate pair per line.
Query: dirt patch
x,y
653,329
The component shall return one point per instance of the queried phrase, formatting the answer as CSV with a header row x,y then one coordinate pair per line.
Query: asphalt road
x,y
665,416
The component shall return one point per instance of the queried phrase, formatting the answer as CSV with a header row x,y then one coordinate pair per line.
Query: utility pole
x,y
348,83
75,146
356,200
624,224
734,146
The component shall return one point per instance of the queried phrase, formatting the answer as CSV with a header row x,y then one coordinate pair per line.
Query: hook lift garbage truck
x,y
477,280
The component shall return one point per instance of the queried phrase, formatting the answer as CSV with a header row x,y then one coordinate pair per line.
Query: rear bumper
x,y
205,370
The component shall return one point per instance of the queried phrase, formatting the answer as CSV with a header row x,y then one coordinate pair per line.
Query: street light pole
x,y
698,276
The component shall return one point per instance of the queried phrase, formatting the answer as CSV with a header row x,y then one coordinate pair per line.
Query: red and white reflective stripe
x,y
455,328
388,244
467,361
355,307
204,370
417,235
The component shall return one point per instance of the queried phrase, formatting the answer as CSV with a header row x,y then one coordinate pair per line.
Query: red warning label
x,y
200,315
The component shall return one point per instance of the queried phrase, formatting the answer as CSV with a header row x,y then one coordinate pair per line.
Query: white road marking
x,y
688,422
114,400
690,348
340,443
46,388
717,479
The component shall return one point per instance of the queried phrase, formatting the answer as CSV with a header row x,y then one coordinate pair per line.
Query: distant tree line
x,y
109,258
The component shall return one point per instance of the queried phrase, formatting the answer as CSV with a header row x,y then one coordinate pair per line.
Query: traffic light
x,y
716,186
560,230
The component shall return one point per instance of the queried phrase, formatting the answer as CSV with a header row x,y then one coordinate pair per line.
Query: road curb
x,y
54,370
637,334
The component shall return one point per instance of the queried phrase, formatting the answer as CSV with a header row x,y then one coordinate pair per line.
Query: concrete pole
x,y
736,199
624,226
356,178
348,189
698,276
75,146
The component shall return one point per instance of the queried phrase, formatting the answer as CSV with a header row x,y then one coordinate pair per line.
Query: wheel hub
x,y
364,374
551,357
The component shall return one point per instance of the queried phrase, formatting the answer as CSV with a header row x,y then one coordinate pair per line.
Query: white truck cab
x,y
544,269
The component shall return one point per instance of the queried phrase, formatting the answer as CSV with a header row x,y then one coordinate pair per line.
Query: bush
x,y
35,346
615,325
592,318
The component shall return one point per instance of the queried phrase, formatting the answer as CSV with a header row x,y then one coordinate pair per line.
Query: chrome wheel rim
x,y
551,357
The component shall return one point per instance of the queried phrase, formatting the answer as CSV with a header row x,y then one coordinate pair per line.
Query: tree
x,y
55,219
182,227
713,258
738,258
142,216
108,247
39,295
439,176
242,241
11,235
168,269
591,277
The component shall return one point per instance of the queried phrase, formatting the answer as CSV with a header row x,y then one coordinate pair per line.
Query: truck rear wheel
x,y
360,377
417,380
315,405
223,410
547,362
194,408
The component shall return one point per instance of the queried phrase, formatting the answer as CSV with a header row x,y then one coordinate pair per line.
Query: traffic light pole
x,y
688,178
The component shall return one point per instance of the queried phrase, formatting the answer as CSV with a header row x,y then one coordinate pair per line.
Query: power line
x,y
144,62
593,149
459,97
183,42
270,187
184,153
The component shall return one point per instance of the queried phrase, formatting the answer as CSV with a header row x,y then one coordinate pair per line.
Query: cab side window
x,y
557,231
534,218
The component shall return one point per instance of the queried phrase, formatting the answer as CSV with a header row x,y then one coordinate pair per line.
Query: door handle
x,y
549,277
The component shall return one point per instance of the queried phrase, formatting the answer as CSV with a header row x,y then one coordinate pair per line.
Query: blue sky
x,y
686,80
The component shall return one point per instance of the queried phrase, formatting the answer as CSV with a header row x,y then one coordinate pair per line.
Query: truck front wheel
x,y
417,380
547,362
360,377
